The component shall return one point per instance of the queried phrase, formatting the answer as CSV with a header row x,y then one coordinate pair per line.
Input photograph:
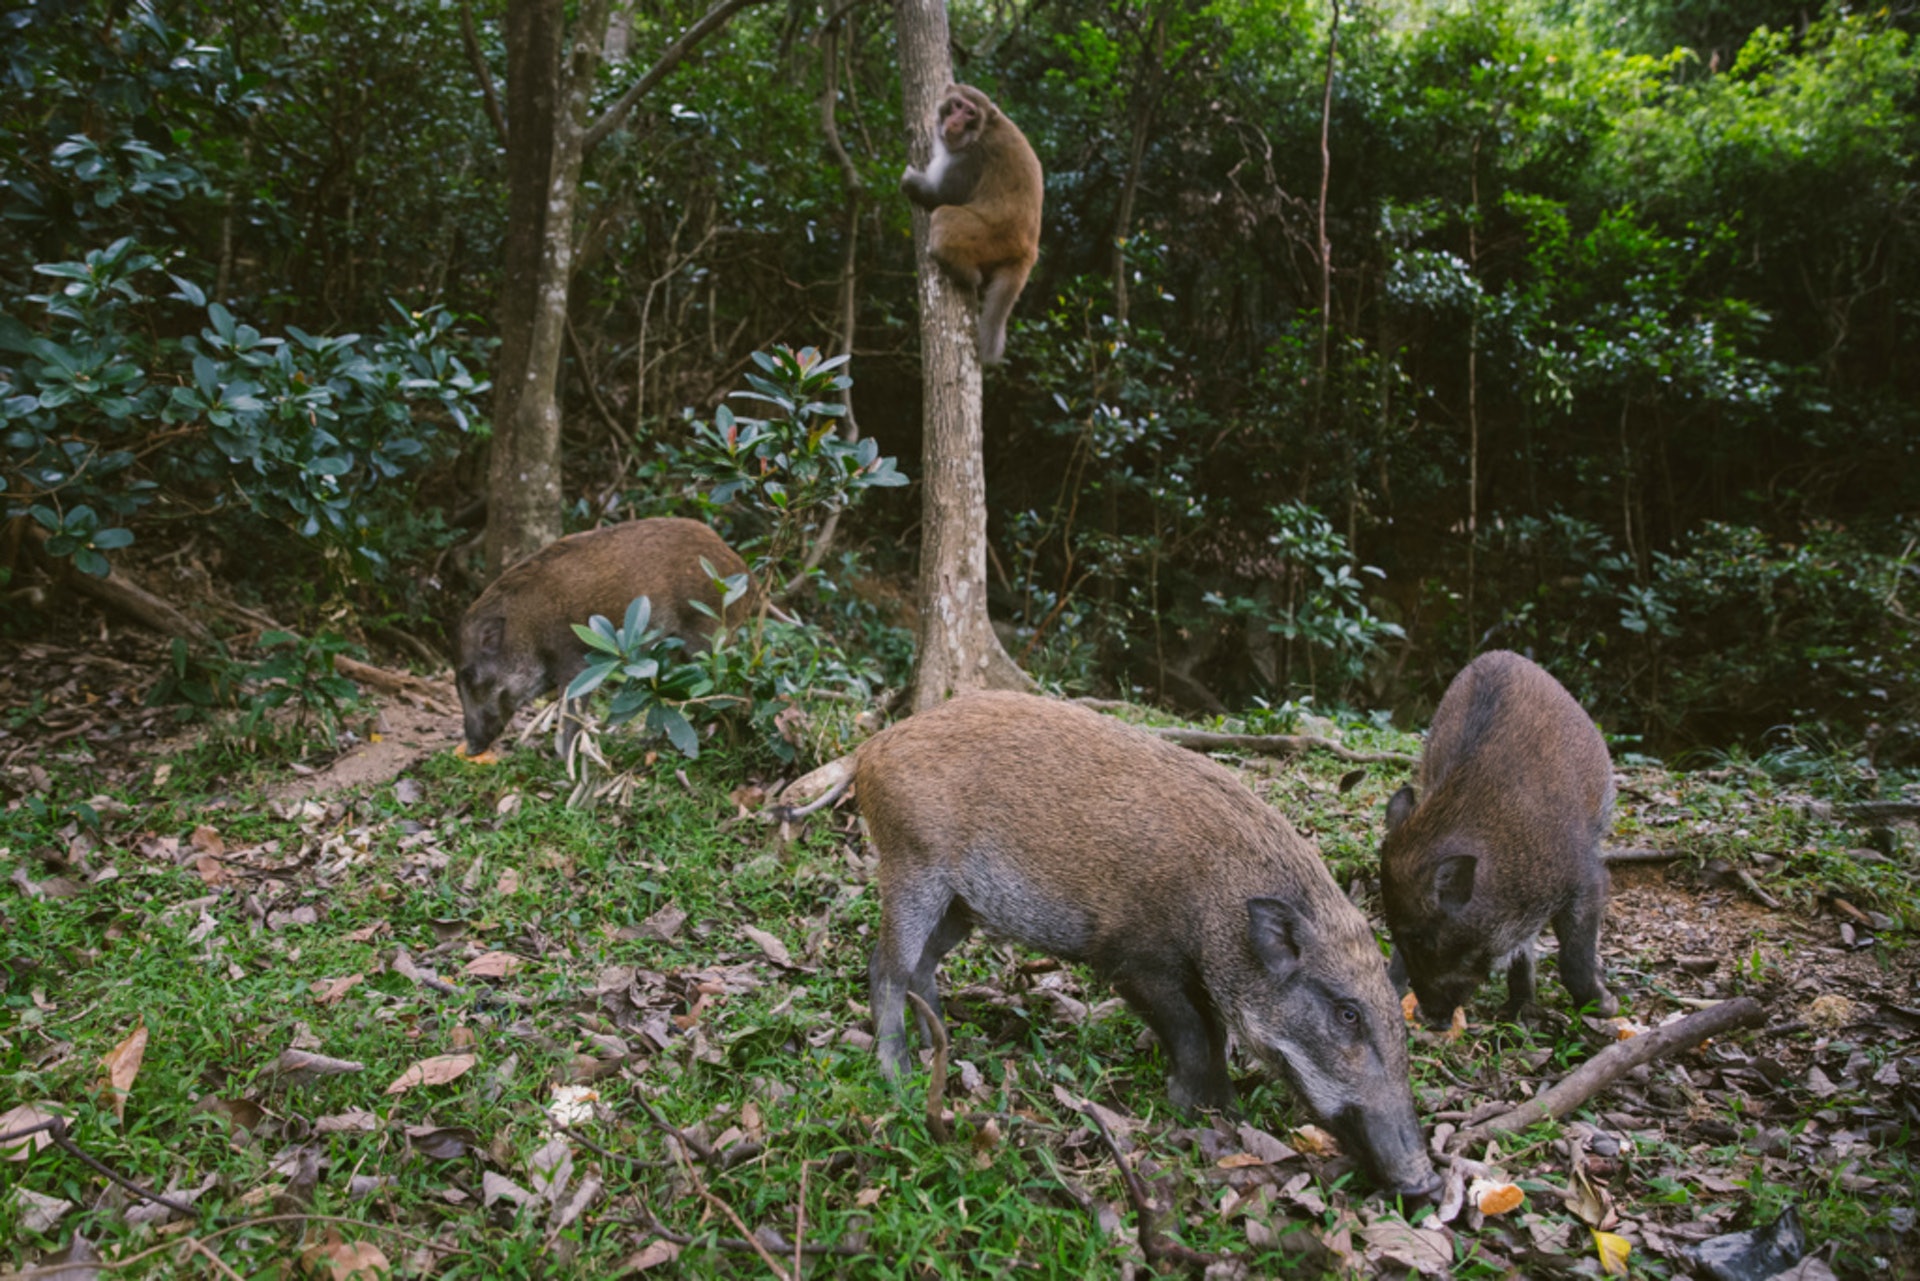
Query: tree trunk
x,y
957,647
520,521
549,134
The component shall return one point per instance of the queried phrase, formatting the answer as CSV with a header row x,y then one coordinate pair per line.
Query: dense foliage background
x,y
1615,364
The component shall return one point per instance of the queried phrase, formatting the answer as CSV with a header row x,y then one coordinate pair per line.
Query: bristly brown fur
x,y
1516,789
1094,841
517,640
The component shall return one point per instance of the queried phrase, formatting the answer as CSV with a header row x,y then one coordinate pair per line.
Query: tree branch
x,y
1604,1068
471,39
675,54
1201,740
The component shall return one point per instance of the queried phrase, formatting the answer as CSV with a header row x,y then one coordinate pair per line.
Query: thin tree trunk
x,y
849,297
1473,400
957,646
1322,243
1149,89
549,133
533,34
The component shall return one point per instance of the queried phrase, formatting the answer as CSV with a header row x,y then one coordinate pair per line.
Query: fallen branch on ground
x,y
1157,1247
1604,1068
1201,740
1639,855
55,1128
119,592
400,684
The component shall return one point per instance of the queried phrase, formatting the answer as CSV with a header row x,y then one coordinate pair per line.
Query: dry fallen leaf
x,y
328,991
1240,1161
213,873
1613,1251
340,1260
39,1213
1314,1141
866,1197
494,965
1428,1253
509,882
656,1253
207,841
25,1117
122,1063
434,1071
775,950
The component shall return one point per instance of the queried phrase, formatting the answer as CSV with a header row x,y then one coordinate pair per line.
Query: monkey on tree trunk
x,y
984,187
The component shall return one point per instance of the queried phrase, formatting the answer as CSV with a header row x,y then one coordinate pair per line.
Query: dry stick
x,y
800,1219
200,1249
115,1265
936,1088
700,1186
1201,740
1753,888
1640,855
392,682
1600,1071
56,1129
688,1141
1152,1244
737,1245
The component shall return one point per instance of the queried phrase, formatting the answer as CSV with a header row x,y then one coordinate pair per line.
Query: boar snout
x,y
1393,1151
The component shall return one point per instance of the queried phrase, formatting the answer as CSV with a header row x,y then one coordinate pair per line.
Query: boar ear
x,y
1453,882
1399,807
1274,930
488,634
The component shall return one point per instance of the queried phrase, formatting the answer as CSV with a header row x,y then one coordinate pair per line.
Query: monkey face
x,y
961,119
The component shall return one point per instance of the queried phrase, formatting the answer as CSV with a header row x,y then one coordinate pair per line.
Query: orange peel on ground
x,y
475,758
1492,1197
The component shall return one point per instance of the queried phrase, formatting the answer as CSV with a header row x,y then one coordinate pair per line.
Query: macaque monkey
x,y
984,187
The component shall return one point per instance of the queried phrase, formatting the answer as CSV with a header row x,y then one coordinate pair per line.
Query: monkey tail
x,y
840,772
996,304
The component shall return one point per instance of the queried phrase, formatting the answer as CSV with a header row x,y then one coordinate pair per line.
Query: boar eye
x,y
1349,1016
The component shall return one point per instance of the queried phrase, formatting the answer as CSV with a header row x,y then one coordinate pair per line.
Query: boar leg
x,y
1520,985
953,929
913,919
1192,1036
1578,929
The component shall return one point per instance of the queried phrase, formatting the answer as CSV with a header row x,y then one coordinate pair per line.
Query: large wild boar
x,y
1069,832
1516,789
517,640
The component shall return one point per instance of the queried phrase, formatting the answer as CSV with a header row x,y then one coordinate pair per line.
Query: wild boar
x,y
517,640
1072,833
1516,790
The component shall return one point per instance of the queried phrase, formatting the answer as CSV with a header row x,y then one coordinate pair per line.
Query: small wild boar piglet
x,y
517,640
1516,789
1069,832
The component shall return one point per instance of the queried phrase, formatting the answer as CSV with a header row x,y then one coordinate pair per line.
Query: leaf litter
x,y
1679,1154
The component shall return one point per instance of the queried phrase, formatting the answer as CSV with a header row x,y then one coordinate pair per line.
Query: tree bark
x,y
957,646
518,522
549,134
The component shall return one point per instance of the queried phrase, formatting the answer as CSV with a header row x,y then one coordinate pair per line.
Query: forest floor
x,y
330,1012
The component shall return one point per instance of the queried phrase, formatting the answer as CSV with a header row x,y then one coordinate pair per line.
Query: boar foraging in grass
x,y
517,640
1516,789
1092,841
